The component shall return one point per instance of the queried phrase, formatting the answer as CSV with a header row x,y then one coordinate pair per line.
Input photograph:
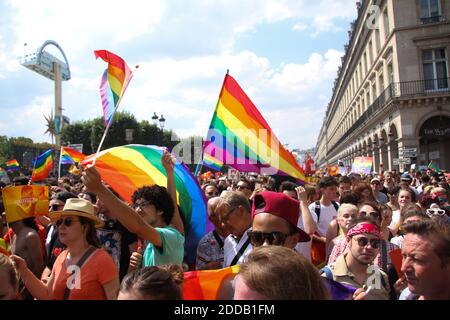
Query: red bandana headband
x,y
364,228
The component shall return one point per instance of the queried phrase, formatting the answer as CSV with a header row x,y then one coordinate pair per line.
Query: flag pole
x,y
112,119
59,165
200,163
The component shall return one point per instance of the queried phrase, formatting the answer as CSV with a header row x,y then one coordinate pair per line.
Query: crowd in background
x,y
287,238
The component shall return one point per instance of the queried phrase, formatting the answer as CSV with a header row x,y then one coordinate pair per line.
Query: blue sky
x,y
284,54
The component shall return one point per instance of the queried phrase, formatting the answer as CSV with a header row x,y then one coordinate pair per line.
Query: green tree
x,y
5,149
78,132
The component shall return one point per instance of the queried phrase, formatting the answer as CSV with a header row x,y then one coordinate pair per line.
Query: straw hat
x,y
77,207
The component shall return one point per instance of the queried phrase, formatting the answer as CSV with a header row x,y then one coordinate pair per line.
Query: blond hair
x,y
7,266
346,206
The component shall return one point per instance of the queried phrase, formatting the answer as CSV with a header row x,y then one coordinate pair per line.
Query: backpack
x,y
317,208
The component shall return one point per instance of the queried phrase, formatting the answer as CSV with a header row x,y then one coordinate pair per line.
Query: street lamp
x,y
155,118
162,122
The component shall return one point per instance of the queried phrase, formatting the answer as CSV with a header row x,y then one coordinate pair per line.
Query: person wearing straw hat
x,y
82,271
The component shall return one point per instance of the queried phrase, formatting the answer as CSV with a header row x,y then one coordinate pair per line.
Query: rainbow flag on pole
x,y
130,167
12,165
71,156
240,137
42,166
114,82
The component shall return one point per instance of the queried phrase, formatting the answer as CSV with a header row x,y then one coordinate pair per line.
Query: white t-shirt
x,y
395,218
398,241
326,215
231,247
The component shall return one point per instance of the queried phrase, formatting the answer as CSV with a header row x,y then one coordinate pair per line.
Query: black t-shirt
x,y
54,247
115,239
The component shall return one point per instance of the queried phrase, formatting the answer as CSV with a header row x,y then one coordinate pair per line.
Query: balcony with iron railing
x,y
431,19
396,90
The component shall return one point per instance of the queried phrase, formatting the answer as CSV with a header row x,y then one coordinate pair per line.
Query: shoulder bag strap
x,y
218,238
240,253
317,210
80,263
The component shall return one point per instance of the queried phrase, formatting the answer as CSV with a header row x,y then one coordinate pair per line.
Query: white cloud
x,y
183,51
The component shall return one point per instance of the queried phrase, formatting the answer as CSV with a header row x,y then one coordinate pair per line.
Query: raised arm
x,y
309,224
129,218
168,164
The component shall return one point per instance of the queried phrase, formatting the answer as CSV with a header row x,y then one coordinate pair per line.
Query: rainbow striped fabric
x,y
240,137
205,284
114,82
71,156
42,166
130,167
12,165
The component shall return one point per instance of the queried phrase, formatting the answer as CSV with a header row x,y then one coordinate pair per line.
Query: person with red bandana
x,y
355,267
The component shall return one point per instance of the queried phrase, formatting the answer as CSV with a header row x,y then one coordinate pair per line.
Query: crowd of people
x,y
291,241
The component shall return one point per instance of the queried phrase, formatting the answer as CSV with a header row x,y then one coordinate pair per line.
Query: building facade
x,y
391,99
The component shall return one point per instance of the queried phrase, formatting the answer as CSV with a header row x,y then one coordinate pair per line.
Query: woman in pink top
x,y
82,271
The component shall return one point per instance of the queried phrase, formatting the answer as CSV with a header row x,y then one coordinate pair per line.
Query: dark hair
x,y
64,196
156,283
92,195
393,191
350,197
425,178
251,184
29,222
344,179
159,197
437,234
209,184
91,233
420,214
328,182
287,186
426,200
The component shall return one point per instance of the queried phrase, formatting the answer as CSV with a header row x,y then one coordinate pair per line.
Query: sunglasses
x,y
212,193
140,205
242,187
67,222
363,241
56,207
372,214
435,212
258,238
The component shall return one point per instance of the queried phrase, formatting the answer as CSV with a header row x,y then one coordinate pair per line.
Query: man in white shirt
x,y
234,212
322,212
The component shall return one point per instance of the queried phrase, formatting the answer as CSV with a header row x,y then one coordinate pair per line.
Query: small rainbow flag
x,y
42,166
114,82
71,156
12,165
240,137
205,284
130,167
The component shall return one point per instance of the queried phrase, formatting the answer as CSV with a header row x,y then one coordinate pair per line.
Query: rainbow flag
x,y
71,156
240,137
205,284
114,82
130,167
42,166
12,165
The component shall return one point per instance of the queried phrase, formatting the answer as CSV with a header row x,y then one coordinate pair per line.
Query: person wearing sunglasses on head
x,y
355,267
246,187
438,214
275,216
82,271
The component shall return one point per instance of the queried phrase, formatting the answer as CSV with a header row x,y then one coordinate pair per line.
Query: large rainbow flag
x,y
70,156
12,165
130,167
114,82
42,166
240,137
206,284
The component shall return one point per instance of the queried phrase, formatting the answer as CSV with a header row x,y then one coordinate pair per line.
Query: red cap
x,y
279,205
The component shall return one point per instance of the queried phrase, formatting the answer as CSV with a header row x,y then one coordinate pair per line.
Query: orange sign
x,y
23,202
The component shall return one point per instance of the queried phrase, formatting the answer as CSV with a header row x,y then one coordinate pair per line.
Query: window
x,y
378,40
374,91
435,69
381,83
365,61
387,27
430,11
390,73
371,52
368,98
